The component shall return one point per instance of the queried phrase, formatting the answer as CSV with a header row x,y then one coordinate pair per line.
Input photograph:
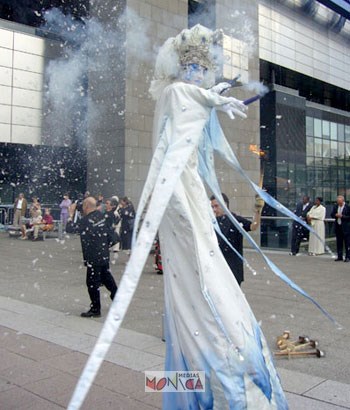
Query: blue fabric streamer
x,y
215,140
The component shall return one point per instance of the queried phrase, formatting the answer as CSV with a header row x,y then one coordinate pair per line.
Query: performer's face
x,y
193,74
218,211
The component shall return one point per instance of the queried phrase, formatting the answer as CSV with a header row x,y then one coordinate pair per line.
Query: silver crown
x,y
198,45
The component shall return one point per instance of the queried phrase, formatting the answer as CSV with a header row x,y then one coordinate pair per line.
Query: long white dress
x,y
318,214
210,326
209,323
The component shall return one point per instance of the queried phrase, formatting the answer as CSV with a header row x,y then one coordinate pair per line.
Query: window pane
x,y
347,150
310,146
341,149
310,161
318,147
309,126
326,149
325,129
334,131
341,132
341,176
311,177
347,133
334,149
318,176
317,127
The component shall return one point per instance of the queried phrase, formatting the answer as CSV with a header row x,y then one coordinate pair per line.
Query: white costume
x,y
317,215
210,326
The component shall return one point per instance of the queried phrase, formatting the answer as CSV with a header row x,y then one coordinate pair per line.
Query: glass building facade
x,y
307,147
327,157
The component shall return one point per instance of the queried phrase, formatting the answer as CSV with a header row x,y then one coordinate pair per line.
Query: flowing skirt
x,y
210,325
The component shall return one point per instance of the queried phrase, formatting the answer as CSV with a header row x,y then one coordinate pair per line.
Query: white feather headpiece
x,y
198,45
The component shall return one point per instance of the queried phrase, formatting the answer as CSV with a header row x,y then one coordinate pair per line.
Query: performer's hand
x,y
233,107
220,88
259,204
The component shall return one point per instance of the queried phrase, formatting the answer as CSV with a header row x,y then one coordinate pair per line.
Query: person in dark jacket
x,y
96,238
113,219
127,215
299,233
232,234
341,214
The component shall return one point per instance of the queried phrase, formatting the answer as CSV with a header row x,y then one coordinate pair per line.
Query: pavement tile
x,y
9,359
158,349
120,379
131,358
99,398
72,362
20,399
331,392
57,389
136,340
26,372
35,349
5,385
297,402
296,382
152,399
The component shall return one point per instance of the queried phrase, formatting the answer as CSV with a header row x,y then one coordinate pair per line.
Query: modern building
x,y
75,112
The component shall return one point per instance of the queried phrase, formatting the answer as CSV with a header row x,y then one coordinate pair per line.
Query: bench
x,y
57,231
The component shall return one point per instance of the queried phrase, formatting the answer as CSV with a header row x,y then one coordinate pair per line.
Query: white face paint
x,y
193,74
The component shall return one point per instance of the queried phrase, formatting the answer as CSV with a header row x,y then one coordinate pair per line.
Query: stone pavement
x,y
44,344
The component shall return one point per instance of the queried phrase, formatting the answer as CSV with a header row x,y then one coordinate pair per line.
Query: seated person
x,y
33,225
47,222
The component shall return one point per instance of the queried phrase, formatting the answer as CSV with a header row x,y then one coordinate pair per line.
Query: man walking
x,y
341,213
298,231
96,238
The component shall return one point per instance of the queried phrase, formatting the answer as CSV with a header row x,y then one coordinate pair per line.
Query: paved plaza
x,y
44,343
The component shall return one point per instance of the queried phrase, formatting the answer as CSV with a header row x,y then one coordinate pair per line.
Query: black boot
x,y
91,313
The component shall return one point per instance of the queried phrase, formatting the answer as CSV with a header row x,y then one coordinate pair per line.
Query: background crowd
x,y
120,214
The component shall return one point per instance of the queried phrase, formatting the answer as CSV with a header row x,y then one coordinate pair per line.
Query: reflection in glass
x,y
325,129
310,161
334,131
309,126
310,146
317,127
341,132
318,147
347,150
347,133
326,153
334,149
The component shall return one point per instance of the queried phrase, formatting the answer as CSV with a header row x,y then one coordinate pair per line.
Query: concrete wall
x,y
160,20
23,59
298,42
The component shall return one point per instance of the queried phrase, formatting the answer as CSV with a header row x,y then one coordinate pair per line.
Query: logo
x,y
175,381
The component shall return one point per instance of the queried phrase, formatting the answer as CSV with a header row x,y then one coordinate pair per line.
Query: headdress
x,y
198,45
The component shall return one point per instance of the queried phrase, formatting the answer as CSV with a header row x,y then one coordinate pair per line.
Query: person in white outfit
x,y
315,218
